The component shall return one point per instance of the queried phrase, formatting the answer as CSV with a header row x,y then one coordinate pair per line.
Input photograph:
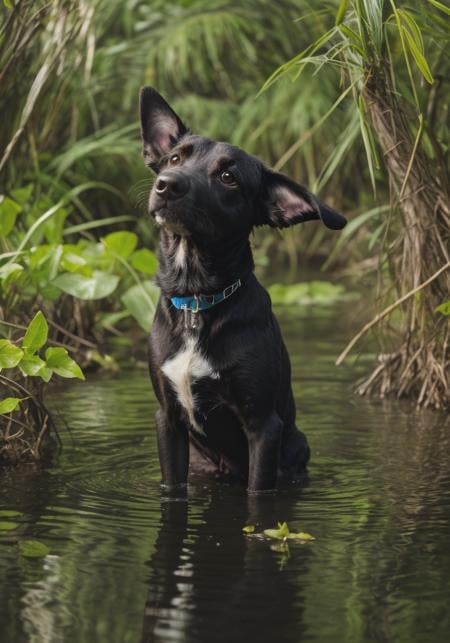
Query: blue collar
x,y
197,303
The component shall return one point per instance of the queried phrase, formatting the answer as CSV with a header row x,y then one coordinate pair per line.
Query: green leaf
x,y
9,210
420,59
33,549
341,11
145,261
37,333
301,535
121,243
99,285
31,365
248,529
444,308
441,6
8,4
141,301
59,361
280,533
8,526
10,355
9,404
10,513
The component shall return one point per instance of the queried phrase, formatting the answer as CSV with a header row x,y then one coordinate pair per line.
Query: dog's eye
x,y
174,159
227,177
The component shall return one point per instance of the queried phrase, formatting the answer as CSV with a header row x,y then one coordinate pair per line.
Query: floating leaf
x,y
283,533
280,533
311,292
36,334
9,404
10,355
8,526
248,529
59,361
33,549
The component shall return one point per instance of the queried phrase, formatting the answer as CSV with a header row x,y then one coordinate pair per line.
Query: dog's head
x,y
213,190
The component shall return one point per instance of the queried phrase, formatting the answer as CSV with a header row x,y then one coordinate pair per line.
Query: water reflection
x,y
211,581
126,565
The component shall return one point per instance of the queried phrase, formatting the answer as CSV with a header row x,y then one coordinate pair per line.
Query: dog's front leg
x,y
264,441
173,448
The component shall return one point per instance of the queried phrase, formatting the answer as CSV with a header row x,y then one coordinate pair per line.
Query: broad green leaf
x,y
10,355
37,333
8,4
341,11
8,526
59,361
31,365
248,529
441,6
99,285
9,210
121,243
9,404
444,308
33,549
144,260
10,513
141,301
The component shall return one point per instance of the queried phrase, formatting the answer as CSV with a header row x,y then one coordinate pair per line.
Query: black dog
x,y
218,363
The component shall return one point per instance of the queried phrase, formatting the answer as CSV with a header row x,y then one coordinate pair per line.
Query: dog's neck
x,y
188,267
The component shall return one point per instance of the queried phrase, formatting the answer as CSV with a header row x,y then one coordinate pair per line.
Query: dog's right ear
x,y
161,128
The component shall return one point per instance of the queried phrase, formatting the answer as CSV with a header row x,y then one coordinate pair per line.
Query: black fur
x,y
208,196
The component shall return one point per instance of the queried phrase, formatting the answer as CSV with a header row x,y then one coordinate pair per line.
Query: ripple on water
x,y
129,564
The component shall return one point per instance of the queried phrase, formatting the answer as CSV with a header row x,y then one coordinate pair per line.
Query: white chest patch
x,y
186,367
180,254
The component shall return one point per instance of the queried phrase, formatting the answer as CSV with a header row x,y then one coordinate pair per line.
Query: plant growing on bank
x,y
24,420
394,62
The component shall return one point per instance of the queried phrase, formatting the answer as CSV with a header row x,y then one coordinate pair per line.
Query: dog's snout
x,y
171,186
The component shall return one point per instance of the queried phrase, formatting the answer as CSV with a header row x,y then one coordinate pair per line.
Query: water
x,y
128,565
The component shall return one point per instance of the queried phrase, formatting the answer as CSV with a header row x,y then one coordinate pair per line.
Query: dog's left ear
x,y
289,203
160,126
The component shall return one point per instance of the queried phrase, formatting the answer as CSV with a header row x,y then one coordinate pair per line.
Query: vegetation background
x,y
349,97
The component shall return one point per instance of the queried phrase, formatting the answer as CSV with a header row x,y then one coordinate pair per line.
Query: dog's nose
x,y
171,186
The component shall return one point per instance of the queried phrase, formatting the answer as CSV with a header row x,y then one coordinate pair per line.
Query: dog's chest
x,y
184,369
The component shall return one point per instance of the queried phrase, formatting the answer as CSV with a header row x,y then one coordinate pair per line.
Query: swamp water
x,y
126,565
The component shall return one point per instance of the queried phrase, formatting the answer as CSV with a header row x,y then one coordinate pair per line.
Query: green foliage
x,y
308,293
9,404
444,308
28,361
